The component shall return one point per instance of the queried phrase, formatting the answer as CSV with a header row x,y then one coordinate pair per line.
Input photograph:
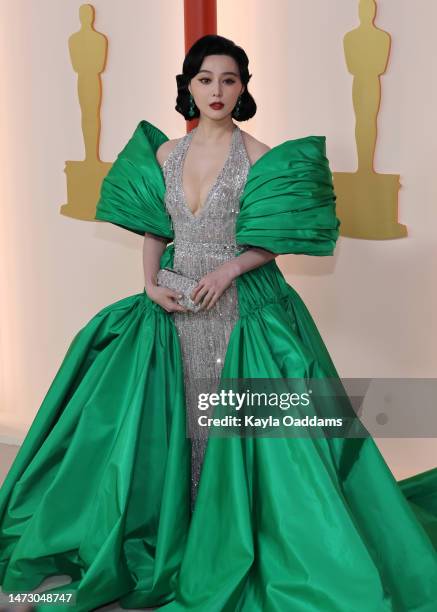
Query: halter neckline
x,y
187,140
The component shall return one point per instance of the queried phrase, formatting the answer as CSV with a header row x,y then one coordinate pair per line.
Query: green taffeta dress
x,y
101,488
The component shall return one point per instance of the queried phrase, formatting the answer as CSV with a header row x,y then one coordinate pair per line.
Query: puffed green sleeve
x,y
288,202
132,193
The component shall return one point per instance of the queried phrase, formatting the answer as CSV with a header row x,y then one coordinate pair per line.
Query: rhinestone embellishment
x,y
202,243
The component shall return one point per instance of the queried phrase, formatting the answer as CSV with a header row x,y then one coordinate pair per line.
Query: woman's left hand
x,y
211,286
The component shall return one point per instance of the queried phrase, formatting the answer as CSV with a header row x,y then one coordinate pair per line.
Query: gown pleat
x,y
282,527
99,489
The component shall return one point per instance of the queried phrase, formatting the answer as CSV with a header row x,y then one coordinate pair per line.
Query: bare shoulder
x,y
164,150
255,148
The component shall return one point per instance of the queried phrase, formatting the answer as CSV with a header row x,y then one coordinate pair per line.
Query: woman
x,y
109,489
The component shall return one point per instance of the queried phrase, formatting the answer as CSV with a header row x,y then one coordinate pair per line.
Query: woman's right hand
x,y
166,298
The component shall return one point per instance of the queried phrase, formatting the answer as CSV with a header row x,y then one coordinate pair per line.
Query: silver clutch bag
x,y
184,285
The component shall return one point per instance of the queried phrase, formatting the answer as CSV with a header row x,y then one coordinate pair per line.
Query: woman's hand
x,y
211,286
166,298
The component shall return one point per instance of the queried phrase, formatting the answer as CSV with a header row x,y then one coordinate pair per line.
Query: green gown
x,y
100,487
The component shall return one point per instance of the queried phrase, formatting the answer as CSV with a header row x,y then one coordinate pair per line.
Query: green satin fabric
x,y
100,488
288,203
132,193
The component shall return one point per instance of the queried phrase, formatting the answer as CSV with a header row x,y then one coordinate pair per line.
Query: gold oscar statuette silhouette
x,y
367,202
88,50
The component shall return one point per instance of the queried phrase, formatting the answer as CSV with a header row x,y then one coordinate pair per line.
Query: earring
x,y
191,110
237,108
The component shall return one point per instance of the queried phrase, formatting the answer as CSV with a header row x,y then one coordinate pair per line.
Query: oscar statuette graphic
x,y
367,201
88,51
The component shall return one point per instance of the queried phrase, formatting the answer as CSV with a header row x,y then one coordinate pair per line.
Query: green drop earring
x,y
237,108
191,110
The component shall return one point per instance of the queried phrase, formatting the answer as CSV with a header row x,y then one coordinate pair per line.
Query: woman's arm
x,y
211,286
249,260
153,248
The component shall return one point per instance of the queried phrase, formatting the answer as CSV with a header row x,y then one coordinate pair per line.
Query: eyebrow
x,y
233,73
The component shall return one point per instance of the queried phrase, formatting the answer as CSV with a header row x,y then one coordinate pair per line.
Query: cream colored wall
x,y
374,302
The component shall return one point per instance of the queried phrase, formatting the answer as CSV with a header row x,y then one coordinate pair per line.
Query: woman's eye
x,y
226,80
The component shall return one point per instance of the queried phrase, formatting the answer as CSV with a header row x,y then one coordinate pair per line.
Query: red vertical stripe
x,y
200,18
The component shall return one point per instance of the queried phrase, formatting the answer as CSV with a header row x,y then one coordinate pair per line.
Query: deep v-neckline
x,y
204,206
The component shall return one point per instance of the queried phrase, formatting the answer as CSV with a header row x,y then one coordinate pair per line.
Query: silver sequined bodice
x,y
202,243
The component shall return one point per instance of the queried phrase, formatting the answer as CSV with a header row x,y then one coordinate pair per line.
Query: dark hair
x,y
212,44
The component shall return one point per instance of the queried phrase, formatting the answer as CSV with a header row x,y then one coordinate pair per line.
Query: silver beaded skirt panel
x,y
202,242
